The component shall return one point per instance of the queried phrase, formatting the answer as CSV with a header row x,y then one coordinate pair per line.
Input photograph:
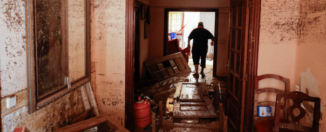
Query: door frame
x,y
129,63
254,32
166,26
253,50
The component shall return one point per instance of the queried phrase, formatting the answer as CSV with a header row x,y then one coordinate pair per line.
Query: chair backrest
x,y
294,124
268,90
173,46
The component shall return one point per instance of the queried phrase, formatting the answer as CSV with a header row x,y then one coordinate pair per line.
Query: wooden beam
x,y
129,65
161,114
96,121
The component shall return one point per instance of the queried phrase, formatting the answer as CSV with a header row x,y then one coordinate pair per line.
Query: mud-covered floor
x,y
164,91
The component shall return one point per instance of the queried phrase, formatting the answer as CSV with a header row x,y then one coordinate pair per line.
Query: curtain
x,y
175,21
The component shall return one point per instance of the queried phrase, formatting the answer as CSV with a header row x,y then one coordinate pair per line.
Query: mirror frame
x,y
33,103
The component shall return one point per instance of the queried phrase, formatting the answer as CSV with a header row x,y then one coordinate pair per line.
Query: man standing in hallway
x,y
200,45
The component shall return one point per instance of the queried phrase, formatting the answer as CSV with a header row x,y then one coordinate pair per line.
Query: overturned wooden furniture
x,y
191,101
223,119
167,66
156,125
219,126
103,124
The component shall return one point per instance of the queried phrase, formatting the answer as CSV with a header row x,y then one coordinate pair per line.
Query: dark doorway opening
x,y
252,7
215,32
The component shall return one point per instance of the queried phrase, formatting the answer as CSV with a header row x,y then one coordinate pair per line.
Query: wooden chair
x,y
259,91
293,125
263,124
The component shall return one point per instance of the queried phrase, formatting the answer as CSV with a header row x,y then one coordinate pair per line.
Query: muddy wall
x,y
13,72
108,57
311,51
278,39
12,46
293,45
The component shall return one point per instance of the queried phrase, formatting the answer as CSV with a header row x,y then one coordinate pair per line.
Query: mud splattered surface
x,y
165,90
12,46
58,114
284,20
311,52
279,20
312,25
14,76
108,52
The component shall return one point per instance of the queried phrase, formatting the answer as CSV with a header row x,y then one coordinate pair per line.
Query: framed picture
x,y
147,15
143,10
145,30
264,111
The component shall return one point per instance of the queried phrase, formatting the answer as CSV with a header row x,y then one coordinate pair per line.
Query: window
x,y
175,21
58,49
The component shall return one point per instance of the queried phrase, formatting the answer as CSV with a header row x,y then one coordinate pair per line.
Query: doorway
x,y
181,21
252,56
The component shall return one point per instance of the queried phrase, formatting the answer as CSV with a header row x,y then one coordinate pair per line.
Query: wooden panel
x,y
168,66
204,89
96,121
191,102
129,41
191,92
194,108
237,64
209,113
170,71
179,63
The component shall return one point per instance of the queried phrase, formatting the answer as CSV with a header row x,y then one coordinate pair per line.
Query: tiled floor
x,y
164,91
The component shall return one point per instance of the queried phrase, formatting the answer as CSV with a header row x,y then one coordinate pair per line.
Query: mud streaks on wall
x,y
12,46
108,53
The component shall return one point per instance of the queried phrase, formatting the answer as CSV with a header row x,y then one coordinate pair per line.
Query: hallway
x,y
165,90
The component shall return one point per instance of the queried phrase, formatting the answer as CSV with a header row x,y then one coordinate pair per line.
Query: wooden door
x,y
237,64
192,101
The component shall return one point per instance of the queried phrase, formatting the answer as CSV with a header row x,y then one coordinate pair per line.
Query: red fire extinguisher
x,y
142,113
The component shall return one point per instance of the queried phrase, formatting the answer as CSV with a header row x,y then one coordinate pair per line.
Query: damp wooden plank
x,y
193,108
192,103
190,127
91,98
210,111
167,66
191,92
190,121
96,121
178,89
204,89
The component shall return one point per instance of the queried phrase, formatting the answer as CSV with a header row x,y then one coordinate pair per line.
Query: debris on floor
x,y
165,91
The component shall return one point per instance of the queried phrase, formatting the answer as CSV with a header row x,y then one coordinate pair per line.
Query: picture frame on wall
x,y
145,30
143,10
147,15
